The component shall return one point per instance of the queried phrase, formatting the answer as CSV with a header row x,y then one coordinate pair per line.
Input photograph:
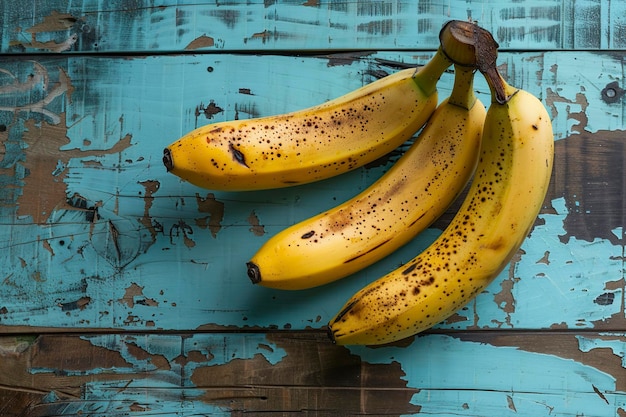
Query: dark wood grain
x,y
315,378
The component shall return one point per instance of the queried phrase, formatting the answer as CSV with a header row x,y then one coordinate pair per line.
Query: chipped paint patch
x,y
200,42
134,295
577,274
256,228
15,345
52,45
616,342
55,23
215,210
175,356
497,385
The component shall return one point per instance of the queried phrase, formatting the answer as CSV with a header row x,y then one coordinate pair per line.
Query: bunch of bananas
x,y
506,152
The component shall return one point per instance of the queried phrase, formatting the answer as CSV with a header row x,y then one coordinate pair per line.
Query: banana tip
x,y
254,273
167,159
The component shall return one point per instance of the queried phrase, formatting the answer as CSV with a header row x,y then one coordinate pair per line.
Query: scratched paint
x,y
156,374
151,387
167,364
128,398
93,25
149,353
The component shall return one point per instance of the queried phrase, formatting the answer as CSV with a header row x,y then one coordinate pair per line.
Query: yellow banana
x,y
417,189
310,144
504,198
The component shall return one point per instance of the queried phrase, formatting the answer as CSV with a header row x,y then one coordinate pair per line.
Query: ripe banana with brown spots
x,y
311,144
503,201
416,190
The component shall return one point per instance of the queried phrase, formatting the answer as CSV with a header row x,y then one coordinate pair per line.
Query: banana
x,y
417,189
311,144
504,198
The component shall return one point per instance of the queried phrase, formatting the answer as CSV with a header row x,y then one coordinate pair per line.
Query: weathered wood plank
x,y
165,26
473,374
98,235
147,275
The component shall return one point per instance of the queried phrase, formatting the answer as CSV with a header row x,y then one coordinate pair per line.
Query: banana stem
x,y
460,40
486,56
501,91
457,39
427,76
462,94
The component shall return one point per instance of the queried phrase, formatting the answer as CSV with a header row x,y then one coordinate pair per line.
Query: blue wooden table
x,y
123,290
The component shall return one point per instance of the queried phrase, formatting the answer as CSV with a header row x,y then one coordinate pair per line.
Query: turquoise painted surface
x,y
503,380
97,235
165,26
163,254
171,257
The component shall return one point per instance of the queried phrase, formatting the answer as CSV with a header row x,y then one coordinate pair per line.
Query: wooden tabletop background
x,y
123,290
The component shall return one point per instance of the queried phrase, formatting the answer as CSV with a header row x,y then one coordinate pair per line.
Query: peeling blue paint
x,y
217,350
552,284
616,342
562,290
504,381
171,264
124,246
485,380
163,390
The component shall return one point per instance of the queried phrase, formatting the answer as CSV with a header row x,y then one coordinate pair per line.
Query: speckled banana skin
x,y
312,144
505,196
416,190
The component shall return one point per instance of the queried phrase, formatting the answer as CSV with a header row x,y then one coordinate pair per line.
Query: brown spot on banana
x,y
497,245
308,235
409,269
397,187
339,220
237,155
353,309
365,253
418,219
214,131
